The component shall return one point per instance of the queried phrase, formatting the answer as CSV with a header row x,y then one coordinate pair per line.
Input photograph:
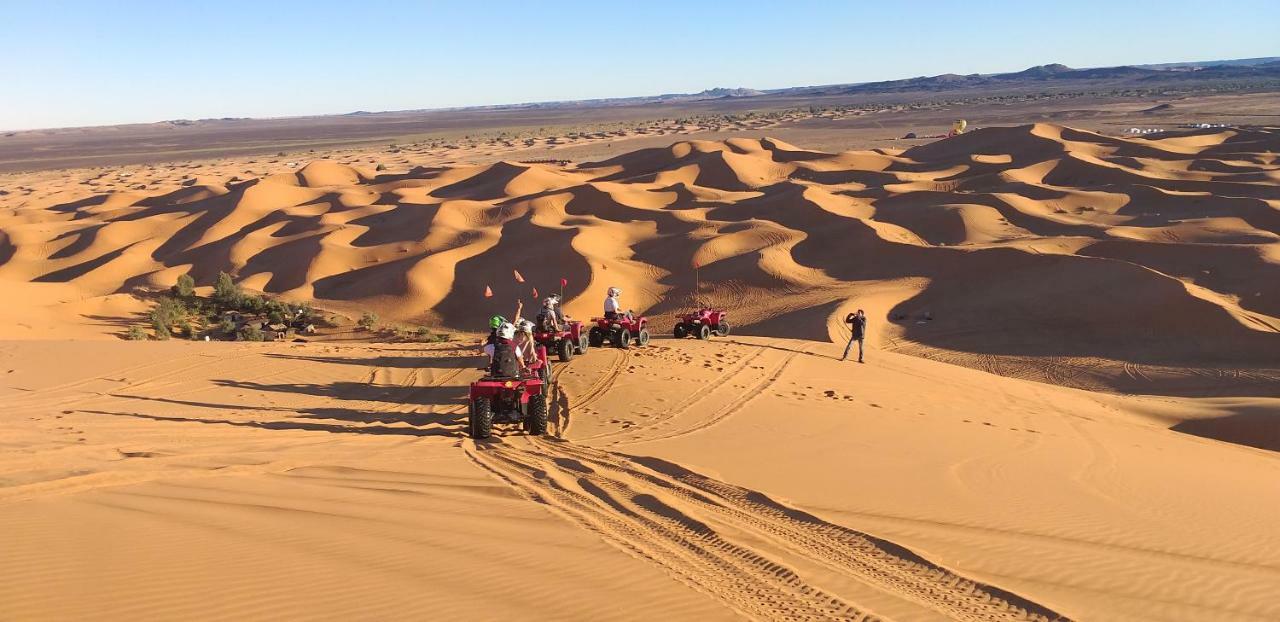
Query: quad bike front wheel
x,y
595,337
481,419
722,329
680,331
545,373
582,346
536,423
565,350
704,331
642,338
622,338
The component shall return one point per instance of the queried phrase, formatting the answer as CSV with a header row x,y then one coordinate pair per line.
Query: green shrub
x,y
227,327
225,291
250,333
167,313
368,320
186,286
137,333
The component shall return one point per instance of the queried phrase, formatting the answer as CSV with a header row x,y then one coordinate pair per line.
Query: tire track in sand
x,y
685,404
727,410
707,534
646,527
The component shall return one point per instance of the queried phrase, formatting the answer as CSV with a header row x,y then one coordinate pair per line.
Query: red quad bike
x,y
702,324
566,343
521,401
620,331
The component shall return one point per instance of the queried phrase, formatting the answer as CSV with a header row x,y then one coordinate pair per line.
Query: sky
x,y
97,63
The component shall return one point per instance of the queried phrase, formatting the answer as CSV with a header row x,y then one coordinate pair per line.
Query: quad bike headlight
x,y
508,384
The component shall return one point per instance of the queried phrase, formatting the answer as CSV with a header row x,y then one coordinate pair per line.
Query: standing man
x,y
858,326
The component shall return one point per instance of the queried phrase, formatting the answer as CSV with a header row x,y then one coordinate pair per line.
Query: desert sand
x,y
1069,411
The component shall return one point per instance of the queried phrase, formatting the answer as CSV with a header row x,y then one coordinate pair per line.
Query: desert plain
x,y
1070,406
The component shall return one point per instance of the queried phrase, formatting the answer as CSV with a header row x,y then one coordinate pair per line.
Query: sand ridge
x,y
1180,232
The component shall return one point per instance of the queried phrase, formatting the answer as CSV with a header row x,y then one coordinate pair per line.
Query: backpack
x,y
504,360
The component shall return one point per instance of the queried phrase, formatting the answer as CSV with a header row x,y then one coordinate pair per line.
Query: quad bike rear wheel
x,y
722,329
622,338
642,338
481,419
680,331
595,337
704,331
536,423
565,350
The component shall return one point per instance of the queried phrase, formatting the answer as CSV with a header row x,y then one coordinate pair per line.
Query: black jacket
x,y
504,363
857,324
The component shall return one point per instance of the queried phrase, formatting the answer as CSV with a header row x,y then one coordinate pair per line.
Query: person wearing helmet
x,y
494,322
551,317
505,357
611,304
524,342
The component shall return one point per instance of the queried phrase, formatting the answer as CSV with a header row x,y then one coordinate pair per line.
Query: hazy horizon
x,y
150,62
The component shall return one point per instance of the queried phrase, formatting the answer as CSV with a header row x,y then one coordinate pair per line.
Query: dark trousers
x,y
850,346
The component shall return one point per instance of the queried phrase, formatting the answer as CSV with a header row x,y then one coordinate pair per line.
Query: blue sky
x,y
93,63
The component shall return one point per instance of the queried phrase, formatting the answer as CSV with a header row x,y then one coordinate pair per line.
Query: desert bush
x,y
253,304
368,320
227,327
275,317
137,333
166,313
225,291
250,333
185,287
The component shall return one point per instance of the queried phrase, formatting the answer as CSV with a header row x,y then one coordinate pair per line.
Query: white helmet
x,y
507,330
614,292
550,301
525,326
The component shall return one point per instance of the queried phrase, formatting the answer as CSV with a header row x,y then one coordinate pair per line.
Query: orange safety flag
x,y
488,293
519,279
564,282
535,293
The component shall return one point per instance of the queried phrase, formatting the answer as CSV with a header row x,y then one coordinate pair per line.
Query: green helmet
x,y
496,321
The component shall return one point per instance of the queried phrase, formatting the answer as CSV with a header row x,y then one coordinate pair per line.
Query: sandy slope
x,y
1069,411
746,477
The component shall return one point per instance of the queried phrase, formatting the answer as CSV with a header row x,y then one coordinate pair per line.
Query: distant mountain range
x,y
1199,72
1264,68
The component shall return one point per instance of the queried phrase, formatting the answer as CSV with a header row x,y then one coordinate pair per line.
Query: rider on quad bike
x,y
551,317
612,307
506,359
524,342
494,323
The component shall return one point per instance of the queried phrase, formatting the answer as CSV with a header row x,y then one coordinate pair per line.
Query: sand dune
x,y
1069,412
1179,240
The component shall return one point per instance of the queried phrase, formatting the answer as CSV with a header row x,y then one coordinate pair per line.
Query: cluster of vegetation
x,y
369,322
232,314
181,313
